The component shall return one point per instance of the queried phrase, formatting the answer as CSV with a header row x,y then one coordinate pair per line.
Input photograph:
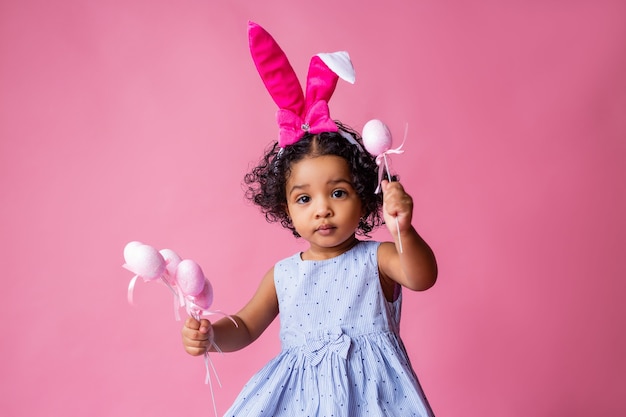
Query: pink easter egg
x,y
171,261
205,298
189,277
376,137
144,260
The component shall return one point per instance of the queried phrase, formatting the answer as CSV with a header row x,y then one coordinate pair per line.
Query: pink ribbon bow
x,y
292,127
382,158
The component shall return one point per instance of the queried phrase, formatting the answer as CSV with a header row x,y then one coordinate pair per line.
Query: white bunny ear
x,y
340,64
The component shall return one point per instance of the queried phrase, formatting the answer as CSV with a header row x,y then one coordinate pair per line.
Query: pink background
x,y
136,120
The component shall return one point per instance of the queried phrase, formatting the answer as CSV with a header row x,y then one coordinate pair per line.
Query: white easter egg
x,y
171,261
144,260
376,137
130,246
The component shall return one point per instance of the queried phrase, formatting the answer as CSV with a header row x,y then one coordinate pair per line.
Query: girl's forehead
x,y
315,168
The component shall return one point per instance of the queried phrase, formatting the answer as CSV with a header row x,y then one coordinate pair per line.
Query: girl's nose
x,y
323,209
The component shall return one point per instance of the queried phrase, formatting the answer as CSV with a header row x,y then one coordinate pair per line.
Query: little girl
x,y
340,299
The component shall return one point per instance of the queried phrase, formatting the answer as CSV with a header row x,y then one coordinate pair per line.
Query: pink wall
x,y
124,120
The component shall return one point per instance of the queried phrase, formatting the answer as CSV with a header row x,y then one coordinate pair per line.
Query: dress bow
x,y
333,341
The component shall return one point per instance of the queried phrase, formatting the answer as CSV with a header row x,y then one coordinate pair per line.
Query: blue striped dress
x,y
341,350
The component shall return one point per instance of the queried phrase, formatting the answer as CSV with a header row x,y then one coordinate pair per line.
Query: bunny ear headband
x,y
299,113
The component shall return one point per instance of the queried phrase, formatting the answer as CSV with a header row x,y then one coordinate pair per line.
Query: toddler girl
x,y
340,299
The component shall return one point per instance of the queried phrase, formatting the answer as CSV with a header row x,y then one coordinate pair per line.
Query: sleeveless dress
x,y
341,350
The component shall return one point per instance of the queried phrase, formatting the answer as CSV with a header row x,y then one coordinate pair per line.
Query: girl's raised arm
x,y
415,267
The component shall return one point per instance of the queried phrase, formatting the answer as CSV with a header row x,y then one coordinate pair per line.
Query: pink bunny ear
x,y
320,82
324,72
275,70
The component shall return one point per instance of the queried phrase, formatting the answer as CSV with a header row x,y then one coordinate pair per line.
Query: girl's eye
x,y
303,199
339,193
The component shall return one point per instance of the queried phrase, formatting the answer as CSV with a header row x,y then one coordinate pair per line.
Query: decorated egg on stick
x,y
183,277
172,259
189,277
205,298
377,140
144,261
376,137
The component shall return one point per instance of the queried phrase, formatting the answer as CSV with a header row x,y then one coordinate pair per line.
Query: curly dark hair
x,y
265,184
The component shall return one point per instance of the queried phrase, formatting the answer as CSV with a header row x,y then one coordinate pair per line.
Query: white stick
x,y
397,222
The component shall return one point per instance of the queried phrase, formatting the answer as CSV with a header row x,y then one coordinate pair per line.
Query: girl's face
x,y
322,203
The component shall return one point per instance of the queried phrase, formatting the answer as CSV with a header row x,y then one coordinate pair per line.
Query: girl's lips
x,y
325,229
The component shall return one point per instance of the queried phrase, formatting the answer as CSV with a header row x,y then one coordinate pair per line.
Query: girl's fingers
x,y
395,198
205,326
192,323
196,336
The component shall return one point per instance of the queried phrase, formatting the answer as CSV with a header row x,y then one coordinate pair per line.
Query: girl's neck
x,y
316,253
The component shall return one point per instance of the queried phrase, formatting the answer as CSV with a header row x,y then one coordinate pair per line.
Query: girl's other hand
x,y
197,336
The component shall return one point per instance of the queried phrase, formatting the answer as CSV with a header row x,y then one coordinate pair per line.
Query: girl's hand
x,y
197,336
413,266
396,204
